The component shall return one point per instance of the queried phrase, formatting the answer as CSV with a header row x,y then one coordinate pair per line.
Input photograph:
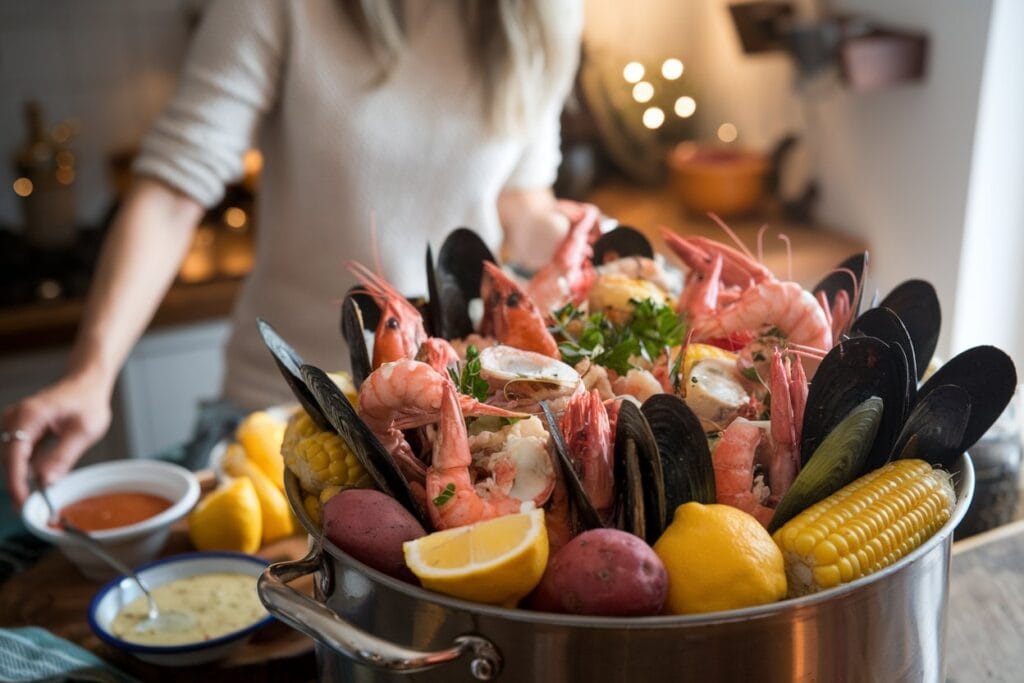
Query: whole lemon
x,y
719,558
230,518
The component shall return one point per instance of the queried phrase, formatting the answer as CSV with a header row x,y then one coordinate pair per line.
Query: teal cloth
x,y
34,654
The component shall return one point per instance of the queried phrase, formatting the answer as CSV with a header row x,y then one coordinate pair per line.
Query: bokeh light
x,y
727,132
653,117
672,69
685,106
643,91
633,72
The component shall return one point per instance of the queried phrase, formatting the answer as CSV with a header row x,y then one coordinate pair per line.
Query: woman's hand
x,y
49,431
534,223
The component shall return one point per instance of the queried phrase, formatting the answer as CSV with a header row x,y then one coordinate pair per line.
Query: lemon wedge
x,y
496,562
228,519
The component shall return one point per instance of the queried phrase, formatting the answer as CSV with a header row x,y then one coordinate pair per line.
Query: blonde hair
x,y
513,44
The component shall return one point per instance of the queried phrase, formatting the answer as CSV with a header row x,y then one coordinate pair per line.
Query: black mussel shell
x,y
853,371
583,510
361,441
643,505
454,282
683,447
619,243
989,378
290,364
352,326
367,306
917,305
882,323
839,279
936,426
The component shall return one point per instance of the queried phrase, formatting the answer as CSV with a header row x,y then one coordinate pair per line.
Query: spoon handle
x,y
96,547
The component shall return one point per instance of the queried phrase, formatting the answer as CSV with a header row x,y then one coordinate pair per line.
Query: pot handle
x,y
305,614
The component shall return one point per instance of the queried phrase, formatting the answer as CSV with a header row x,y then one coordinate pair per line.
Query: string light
x,y
22,187
643,91
633,72
685,106
727,132
672,69
653,117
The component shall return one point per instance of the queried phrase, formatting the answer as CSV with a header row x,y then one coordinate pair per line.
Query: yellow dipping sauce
x,y
218,603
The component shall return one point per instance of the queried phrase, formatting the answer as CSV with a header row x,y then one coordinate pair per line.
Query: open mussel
x,y
989,378
290,363
619,243
853,371
361,441
685,457
454,282
935,429
642,505
882,323
354,324
917,306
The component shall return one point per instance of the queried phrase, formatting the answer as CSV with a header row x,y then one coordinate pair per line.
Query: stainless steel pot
x,y
887,627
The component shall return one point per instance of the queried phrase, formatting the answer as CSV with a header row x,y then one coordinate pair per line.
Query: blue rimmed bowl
x,y
121,592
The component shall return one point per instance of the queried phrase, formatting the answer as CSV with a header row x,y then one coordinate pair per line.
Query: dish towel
x,y
34,654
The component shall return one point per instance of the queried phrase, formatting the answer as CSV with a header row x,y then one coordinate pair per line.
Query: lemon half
x,y
496,562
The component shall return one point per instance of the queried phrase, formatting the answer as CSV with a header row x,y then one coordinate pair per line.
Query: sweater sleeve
x,y
538,164
229,81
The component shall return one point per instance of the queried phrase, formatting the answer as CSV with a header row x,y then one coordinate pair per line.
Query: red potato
x,y
372,526
603,572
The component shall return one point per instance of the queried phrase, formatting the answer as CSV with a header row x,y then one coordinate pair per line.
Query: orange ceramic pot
x,y
723,181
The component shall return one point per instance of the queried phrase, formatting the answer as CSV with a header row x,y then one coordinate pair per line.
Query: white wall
x,y
896,165
990,299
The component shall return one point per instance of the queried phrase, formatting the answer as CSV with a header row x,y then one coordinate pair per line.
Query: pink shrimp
x,y
570,274
789,398
405,394
438,354
400,330
787,306
511,316
699,253
452,497
733,462
588,437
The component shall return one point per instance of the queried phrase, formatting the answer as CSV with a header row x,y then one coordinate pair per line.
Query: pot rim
x,y
963,482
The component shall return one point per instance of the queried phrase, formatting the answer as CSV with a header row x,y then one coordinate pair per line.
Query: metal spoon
x,y
155,619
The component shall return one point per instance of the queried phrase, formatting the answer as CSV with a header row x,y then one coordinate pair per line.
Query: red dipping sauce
x,y
112,510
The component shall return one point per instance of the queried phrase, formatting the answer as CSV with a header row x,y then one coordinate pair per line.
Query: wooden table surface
x,y
985,625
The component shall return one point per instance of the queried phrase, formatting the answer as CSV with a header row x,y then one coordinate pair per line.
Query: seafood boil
x,y
596,425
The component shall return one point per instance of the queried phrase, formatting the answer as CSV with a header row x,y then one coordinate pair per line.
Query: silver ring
x,y
16,435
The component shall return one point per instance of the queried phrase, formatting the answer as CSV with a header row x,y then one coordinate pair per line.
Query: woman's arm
x,y
142,253
534,224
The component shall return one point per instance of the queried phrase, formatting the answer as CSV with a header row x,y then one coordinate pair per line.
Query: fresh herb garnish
x,y
677,368
445,495
469,381
653,328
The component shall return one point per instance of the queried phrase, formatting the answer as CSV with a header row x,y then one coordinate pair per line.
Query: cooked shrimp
x,y
590,443
785,305
405,394
452,497
639,383
595,376
569,275
438,354
511,316
733,462
400,330
517,455
789,397
699,253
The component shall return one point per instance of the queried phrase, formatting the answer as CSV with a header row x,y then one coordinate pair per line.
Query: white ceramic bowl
x,y
132,544
114,596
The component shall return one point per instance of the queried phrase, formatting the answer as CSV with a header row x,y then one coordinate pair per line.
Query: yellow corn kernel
x,y
867,525
319,459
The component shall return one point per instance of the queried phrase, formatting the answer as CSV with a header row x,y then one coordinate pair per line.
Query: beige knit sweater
x,y
414,157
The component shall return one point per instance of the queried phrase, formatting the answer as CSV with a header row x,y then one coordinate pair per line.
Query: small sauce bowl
x,y
120,592
132,544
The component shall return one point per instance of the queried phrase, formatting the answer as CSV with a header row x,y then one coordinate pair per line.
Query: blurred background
x,y
849,125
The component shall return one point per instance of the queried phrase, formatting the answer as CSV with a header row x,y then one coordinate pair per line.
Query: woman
x,y
383,125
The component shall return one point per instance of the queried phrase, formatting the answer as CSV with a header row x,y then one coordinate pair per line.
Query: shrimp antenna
x,y
806,351
374,247
760,242
789,255
729,231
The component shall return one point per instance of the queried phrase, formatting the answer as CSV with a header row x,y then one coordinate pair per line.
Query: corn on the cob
x,y
319,459
865,526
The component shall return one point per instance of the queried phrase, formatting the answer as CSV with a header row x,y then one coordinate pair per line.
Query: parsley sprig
x,y
469,381
653,328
